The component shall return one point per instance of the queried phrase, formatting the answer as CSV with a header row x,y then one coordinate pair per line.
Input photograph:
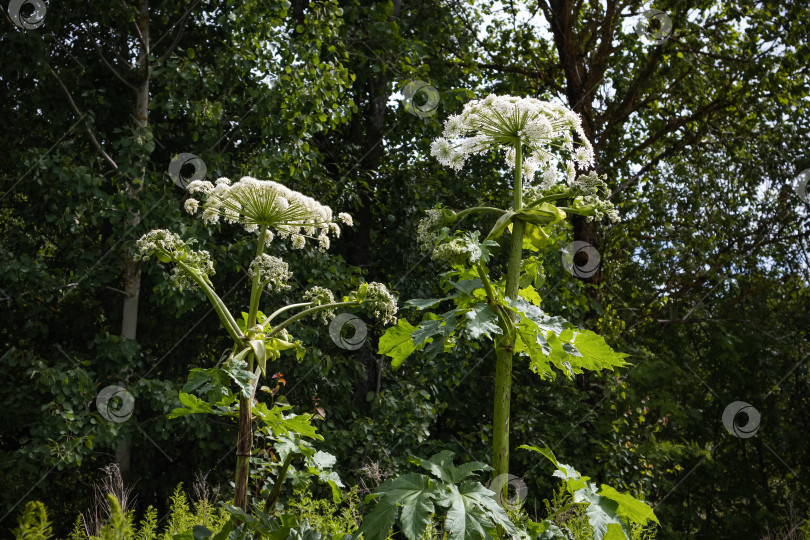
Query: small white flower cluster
x,y
255,203
383,302
454,252
345,218
200,261
545,130
601,208
320,296
429,227
589,185
166,246
271,270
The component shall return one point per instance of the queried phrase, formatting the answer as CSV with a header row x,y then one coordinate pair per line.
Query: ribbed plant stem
x,y
505,345
244,442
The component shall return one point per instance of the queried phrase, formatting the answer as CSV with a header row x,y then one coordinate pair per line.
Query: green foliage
x,y
547,341
611,514
415,499
120,525
182,522
147,529
326,515
208,67
78,532
568,520
33,523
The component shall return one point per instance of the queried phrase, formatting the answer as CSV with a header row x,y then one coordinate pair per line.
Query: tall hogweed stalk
x,y
544,146
270,210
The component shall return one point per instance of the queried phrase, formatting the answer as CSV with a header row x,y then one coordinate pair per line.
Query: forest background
x,y
698,112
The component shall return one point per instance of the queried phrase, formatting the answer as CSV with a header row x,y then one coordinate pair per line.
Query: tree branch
x,y
538,75
86,125
111,67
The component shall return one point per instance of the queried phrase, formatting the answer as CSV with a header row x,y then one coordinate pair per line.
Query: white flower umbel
x,y
165,245
383,303
427,232
169,247
346,218
321,296
191,206
263,203
271,270
545,131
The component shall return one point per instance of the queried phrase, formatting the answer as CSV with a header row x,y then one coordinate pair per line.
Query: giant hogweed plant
x,y
270,210
542,143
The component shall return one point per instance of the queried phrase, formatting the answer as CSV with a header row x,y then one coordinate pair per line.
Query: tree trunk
x,y
132,280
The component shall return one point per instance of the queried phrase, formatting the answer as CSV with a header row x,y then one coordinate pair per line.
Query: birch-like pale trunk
x,y
132,279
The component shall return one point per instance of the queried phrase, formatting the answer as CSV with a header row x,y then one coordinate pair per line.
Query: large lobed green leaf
x,y
397,343
472,512
443,468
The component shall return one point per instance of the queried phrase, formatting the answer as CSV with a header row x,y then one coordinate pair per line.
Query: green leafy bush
x,y
33,523
610,515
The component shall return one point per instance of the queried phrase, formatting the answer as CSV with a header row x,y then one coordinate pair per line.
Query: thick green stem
x,y
282,474
310,311
505,344
506,324
500,419
216,302
279,311
555,197
244,443
474,209
256,289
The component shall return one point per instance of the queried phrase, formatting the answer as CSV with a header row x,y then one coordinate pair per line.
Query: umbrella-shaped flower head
x,y
264,203
550,136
